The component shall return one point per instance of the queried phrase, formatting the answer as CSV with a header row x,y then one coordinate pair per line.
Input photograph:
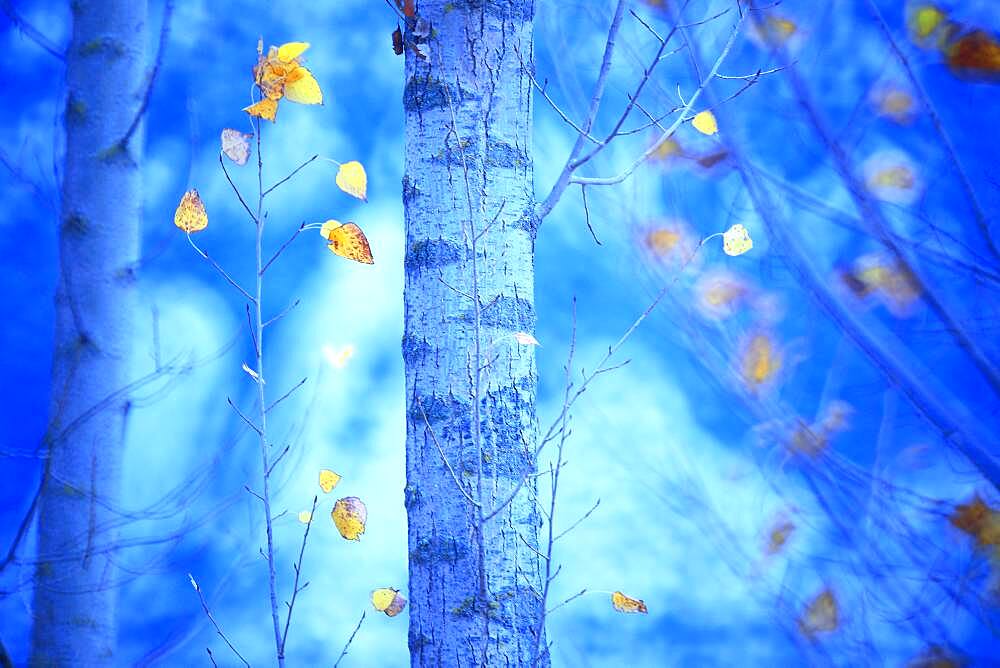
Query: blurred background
x,y
764,487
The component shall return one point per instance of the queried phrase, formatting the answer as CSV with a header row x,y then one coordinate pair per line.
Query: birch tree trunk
x,y
471,426
74,599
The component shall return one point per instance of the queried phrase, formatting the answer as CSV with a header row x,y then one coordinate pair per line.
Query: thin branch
x,y
571,598
219,268
298,572
283,247
243,417
343,652
281,315
586,213
30,31
218,629
168,11
577,523
440,450
236,190
253,336
293,173
286,394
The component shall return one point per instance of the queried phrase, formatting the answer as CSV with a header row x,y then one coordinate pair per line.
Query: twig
x,y
219,268
236,190
218,629
286,394
281,315
586,213
30,31
568,600
243,417
293,173
444,458
577,523
298,572
168,11
283,247
343,652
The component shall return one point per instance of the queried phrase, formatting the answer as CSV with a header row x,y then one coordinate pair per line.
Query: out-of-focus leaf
x,y
822,615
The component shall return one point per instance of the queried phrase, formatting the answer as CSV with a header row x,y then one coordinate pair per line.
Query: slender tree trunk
x,y
74,604
471,426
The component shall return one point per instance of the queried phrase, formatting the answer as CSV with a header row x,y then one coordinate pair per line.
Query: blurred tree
x,y
74,601
470,228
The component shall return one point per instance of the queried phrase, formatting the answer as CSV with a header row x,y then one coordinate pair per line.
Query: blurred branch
x,y
168,11
30,31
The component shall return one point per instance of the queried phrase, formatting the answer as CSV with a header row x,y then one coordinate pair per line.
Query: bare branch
x,y
293,173
218,629
343,652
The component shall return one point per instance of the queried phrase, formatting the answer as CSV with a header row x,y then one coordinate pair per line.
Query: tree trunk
x,y
74,600
470,227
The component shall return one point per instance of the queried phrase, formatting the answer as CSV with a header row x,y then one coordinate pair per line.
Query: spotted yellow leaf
x,y
388,600
301,86
291,50
236,145
328,480
350,515
305,517
347,240
190,215
736,240
822,615
351,178
625,603
705,123
266,109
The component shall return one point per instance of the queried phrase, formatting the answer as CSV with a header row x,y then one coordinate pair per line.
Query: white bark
x,y
74,600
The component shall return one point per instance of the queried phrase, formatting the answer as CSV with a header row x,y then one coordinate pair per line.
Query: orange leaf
x,y
347,240
266,109
976,56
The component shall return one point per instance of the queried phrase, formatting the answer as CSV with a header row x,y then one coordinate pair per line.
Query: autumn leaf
x,y
279,75
266,109
773,30
328,480
736,240
761,360
388,600
338,358
667,149
526,339
190,215
236,145
305,517
253,374
822,615
627,604
925,19
975,55
397,41
351,178
896,104
705,123
719,294
350,515
778,535
977,519
347,240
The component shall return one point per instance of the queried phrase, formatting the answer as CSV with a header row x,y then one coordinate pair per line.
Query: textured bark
x,y
74,601
468,198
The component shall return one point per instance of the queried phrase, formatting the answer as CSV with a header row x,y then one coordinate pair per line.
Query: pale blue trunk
x,y
74,600
468,194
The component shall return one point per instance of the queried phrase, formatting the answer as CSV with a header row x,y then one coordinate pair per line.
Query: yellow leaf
x,y
821,615
925,20
778,536
624,603
328,480
350,515
305,517
236,145
388,600
291,50
736,240
302,87
760,360
351,178
526,339
347,240
190,215
666,149
266,109
705,123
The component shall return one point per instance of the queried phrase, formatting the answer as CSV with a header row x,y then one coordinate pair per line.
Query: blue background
x,y
688,477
